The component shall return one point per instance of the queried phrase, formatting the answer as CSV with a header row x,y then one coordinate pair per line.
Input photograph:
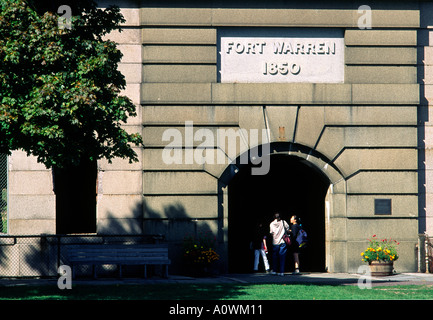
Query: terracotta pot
x,y
381,268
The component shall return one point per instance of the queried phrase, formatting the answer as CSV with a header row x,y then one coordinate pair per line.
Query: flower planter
x,y
380,255
381,268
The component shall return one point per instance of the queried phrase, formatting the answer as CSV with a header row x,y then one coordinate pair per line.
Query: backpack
x,y
302,238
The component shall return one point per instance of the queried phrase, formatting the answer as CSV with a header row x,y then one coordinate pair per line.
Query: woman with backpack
x,y
294,230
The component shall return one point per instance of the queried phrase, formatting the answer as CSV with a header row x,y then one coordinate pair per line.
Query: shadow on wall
x,y
424,81
174,222
38,255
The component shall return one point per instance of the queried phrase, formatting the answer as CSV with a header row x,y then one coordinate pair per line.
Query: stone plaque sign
x,y
281,55
382,206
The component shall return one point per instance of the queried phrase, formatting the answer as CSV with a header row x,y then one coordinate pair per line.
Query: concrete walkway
x,y
311,278
337,279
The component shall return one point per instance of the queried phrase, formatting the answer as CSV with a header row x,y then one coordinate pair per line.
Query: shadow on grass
x,y
126,292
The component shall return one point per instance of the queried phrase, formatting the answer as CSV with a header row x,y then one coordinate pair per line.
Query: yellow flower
x,y
362,253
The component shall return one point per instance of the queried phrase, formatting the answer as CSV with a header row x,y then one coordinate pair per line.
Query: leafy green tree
x,y
60,88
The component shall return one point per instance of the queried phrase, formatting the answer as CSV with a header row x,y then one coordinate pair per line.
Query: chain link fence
x,y
4,193
41,255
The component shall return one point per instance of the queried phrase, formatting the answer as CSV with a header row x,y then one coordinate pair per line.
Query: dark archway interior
x,y
292,186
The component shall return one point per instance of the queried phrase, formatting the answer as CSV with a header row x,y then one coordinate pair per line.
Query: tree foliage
x,y
60,88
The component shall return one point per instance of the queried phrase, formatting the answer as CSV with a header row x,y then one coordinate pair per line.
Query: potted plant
x,y
380,255
199,253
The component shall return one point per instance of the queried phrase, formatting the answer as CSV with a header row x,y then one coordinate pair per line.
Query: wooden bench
x,y
107,254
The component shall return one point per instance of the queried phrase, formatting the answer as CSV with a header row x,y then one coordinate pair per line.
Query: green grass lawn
x,y
215,292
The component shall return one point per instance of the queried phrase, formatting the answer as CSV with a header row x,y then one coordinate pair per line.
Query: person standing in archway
x,y
294,230
278,228
260,248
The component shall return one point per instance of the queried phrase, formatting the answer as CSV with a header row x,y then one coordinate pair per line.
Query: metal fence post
x,y
4,196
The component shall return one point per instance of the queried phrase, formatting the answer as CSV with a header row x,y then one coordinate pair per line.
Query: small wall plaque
x,y
382,207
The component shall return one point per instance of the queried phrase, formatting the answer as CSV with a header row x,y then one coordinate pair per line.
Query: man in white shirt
x,y
278,228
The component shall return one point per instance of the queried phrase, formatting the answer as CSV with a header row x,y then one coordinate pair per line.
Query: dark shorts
x,y
294,247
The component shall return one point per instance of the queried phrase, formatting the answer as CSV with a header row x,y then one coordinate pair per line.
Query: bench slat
x,y
100,262
119,254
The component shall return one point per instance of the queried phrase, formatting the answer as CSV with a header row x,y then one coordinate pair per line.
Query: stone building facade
x,y
348,148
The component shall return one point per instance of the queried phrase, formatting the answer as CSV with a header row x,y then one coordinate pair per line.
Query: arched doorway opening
x,y
292,186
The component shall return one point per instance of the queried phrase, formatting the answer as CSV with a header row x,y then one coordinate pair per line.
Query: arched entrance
x,y
292,186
